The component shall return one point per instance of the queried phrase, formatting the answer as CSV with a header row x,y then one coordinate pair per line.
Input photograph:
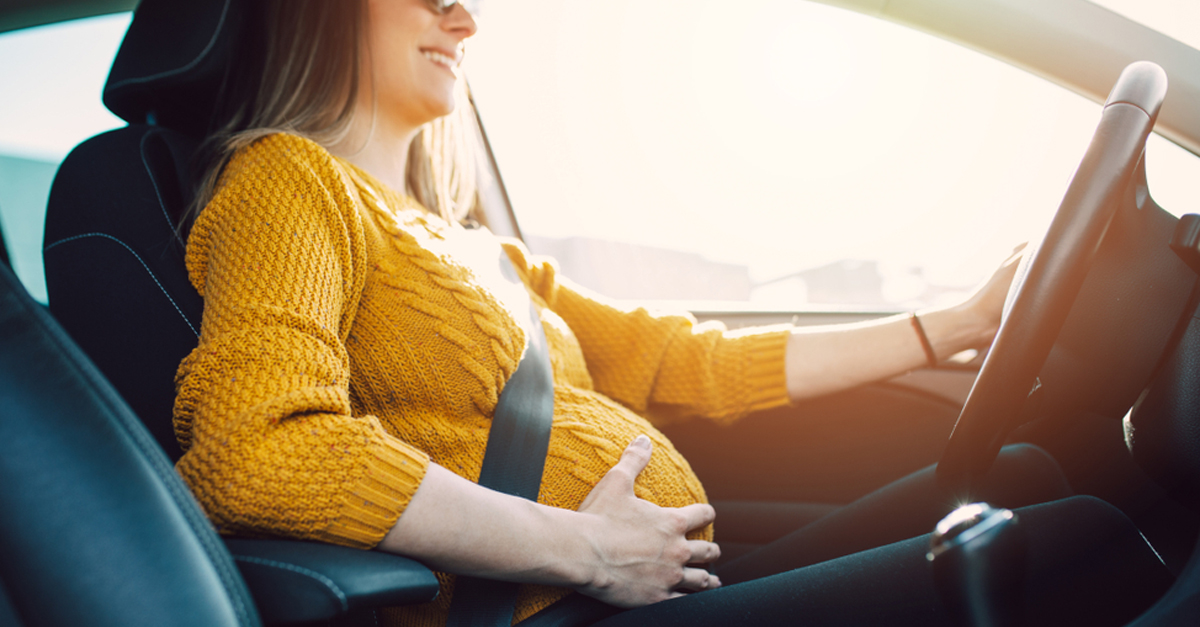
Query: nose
x,y
460,21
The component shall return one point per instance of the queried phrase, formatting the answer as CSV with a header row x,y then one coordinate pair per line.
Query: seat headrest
x,y
172,61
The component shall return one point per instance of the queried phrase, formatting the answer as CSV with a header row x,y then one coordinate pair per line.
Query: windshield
x,y
785,153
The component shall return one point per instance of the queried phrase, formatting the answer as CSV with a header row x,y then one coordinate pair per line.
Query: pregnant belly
x,y
590,432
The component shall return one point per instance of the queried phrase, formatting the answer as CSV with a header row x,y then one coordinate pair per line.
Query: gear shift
x,y
978,555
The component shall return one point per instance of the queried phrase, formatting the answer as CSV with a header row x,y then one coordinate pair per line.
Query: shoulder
x,y
282,177
281,186
282,162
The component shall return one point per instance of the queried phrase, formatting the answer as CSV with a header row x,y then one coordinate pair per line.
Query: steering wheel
x,y
1110,181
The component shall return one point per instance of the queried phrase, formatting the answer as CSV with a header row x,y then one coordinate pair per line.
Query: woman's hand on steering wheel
x,y
641,554
986,304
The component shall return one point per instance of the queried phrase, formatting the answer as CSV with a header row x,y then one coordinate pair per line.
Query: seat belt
x,y
512,463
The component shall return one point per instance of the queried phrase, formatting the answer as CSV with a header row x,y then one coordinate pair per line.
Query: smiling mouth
x,y
441,59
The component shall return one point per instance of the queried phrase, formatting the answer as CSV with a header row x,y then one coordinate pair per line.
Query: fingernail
x,y
642,441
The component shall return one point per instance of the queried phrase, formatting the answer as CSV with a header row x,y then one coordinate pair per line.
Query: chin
x,y
449,100
440,105
447,108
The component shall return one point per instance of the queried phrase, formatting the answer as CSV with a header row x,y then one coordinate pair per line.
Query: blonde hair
x,y
297,70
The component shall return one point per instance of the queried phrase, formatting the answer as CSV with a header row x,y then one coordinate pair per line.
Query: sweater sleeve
x,y
664,365
263,406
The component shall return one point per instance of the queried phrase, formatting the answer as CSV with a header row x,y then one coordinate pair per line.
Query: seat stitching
x,y
211,42
135,256
333,587
154,182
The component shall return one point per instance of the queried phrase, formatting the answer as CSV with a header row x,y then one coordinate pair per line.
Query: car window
x,y
51,78
775,153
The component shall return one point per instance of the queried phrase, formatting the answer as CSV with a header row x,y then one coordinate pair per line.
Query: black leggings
x,y
865,562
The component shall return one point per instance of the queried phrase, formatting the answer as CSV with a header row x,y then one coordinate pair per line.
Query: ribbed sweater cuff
x,y
764,374
372,507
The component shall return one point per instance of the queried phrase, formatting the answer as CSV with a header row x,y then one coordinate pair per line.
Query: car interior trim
x,y
311,574
1074,43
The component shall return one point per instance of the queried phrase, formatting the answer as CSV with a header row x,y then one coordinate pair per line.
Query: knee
x,y
1029,474
1025,455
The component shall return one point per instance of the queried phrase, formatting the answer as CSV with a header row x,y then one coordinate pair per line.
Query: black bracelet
x,y
930,356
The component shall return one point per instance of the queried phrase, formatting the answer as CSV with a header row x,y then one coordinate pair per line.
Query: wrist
x,y
931,357
956,328
979,322
573,563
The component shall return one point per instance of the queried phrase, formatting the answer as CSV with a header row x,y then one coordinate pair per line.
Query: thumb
x,y
632,462
636,455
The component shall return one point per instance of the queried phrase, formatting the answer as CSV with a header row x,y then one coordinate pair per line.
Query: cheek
x,y
409,88
393,36
393,67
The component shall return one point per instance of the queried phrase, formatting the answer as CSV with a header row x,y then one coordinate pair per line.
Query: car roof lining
x,y
17,14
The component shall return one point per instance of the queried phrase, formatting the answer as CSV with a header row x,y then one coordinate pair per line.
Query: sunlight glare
x,y
778,135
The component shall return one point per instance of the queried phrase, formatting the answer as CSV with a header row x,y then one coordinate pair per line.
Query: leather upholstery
x,y
296,582
94,512
97,528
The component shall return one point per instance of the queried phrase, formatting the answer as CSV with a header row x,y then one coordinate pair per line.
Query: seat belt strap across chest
x,y
512,463
520,433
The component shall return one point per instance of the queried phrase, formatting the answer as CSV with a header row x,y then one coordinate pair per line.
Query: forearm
x,y
617,547
454,525
826,359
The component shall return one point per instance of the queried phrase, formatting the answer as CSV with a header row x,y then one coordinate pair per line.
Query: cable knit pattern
x,y
350,337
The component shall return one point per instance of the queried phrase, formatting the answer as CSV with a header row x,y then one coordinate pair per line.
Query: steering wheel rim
x,y
1053,273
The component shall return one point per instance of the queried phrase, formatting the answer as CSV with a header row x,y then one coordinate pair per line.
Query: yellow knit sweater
x,y
350,337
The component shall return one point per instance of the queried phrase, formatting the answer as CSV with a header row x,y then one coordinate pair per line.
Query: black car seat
x,y
113,257
96,527
114,266
117,282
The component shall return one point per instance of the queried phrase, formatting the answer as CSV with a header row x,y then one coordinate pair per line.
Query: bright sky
x,y
780,135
